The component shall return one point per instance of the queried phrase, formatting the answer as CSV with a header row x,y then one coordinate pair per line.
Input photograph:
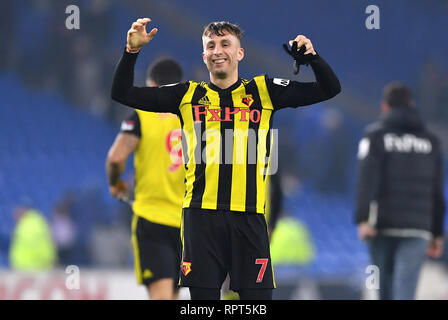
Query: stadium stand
x,y
48,148
49,145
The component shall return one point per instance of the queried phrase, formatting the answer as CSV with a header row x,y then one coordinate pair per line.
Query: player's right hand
x,y
366,231
137,35
119,190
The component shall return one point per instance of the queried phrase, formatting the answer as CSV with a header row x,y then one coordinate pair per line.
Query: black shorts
x,y
219,242
156,251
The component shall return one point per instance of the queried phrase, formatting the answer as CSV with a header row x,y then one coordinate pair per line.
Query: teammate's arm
x,y
125,143
117,156
296,94
163,99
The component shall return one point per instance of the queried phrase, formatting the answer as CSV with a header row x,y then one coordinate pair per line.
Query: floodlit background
x,y
58,121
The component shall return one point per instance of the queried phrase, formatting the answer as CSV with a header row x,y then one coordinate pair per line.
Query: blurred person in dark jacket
x,y
400,205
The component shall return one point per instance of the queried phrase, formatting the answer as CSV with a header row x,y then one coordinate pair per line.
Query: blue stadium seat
x,y
47,148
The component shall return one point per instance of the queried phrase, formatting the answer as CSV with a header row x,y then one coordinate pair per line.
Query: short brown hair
x,y
217,28
396,94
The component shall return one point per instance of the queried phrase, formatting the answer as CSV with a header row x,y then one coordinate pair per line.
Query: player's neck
x,y
224,83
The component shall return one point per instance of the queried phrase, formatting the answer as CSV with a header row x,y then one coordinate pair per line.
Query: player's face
x,y
222,54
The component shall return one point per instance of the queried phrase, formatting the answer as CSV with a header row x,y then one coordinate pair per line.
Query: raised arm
x,y
163,99
286,93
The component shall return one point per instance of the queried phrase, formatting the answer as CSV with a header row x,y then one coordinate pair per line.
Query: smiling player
x,y
223,228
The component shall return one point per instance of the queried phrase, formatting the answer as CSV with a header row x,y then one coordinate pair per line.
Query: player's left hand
x,y
302,40
435,248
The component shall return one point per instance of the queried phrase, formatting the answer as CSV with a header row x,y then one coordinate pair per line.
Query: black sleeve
x,y
161,99
131,125
439,205
286,93
370,158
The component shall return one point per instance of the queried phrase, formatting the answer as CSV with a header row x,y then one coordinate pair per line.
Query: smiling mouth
x,y
219,61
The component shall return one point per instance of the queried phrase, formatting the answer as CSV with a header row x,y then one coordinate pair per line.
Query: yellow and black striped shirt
x,y
223,131
159,169
227,140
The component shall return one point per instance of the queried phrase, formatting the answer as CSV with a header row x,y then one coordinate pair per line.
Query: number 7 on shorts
x,y
264,263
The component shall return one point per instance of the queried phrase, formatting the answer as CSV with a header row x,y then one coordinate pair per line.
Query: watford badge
x,y
186,268
247,99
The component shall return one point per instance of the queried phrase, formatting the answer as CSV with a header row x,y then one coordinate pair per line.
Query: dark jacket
x,y
400,183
